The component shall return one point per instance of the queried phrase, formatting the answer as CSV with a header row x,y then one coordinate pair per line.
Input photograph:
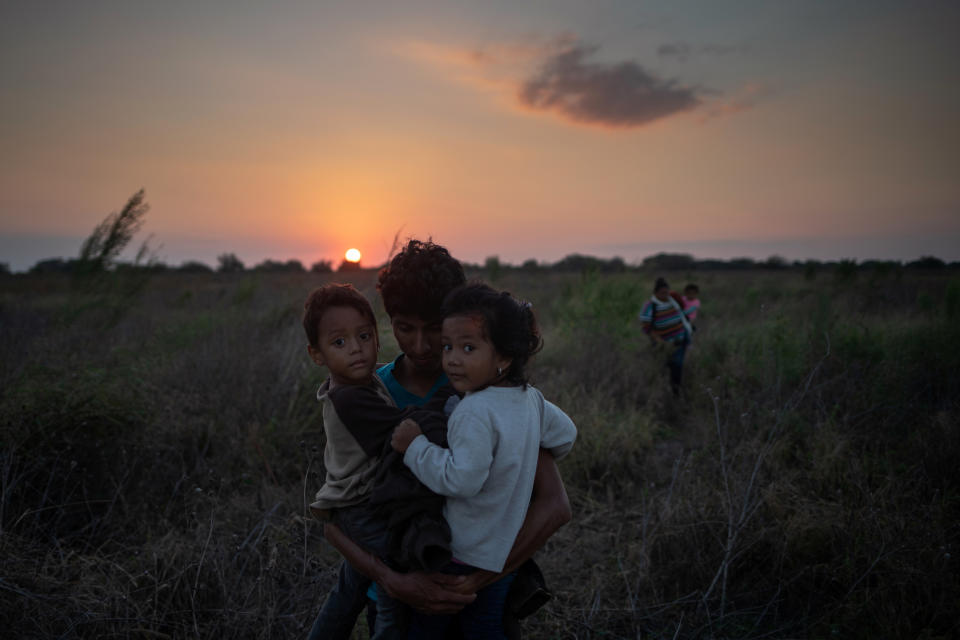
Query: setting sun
x,y
352,255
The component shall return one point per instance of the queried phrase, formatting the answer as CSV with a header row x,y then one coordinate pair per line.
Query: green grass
x,y
159,438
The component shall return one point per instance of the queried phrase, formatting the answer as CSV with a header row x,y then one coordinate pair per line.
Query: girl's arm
x,y
461,470
433,593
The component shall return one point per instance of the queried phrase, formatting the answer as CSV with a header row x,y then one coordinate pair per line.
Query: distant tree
x,y
276,266
229,263
576,262
712,264
846,269
615,265
530,265
927,262
776,262
669,262
193,266
54,265
109,238
321,266
880,264
346,266
743,263
152,266
4,269
268,265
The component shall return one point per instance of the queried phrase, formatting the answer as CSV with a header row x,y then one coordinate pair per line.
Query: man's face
x,y
419,340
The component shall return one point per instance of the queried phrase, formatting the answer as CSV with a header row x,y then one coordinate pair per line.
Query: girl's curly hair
x,y
508,323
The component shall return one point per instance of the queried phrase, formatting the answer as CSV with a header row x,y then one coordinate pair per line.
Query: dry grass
x,y
160,438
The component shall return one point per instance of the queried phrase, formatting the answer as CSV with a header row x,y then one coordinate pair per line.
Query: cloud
x,y
746,97
679,50
555,76
622,94
683,51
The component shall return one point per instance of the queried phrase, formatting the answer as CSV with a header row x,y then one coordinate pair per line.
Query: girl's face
x,y
469,358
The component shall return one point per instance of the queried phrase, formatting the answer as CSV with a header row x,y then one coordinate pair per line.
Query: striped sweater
x,y
663,322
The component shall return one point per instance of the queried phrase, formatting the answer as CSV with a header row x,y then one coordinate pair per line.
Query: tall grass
x,y
159,440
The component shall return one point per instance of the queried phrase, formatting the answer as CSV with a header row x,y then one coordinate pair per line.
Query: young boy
x,y
371,498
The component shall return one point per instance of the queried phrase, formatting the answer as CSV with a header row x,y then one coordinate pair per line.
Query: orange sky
x,y
524,133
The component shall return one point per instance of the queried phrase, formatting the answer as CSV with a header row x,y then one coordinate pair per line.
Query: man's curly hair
x,y
417,279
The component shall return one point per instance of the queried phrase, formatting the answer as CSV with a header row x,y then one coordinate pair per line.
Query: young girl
x,y
494,435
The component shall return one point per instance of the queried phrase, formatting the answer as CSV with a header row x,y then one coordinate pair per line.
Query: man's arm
x,y
429,593
549,510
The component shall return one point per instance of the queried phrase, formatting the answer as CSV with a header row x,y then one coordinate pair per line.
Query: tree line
x,y
101,250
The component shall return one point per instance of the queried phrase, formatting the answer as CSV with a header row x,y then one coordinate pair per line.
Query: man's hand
x,y
430,593
404,434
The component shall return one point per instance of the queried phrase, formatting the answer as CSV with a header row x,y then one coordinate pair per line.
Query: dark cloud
x,y
614,95
683,51
723,49
674,49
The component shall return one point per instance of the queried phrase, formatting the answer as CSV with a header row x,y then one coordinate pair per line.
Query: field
x,y
160,437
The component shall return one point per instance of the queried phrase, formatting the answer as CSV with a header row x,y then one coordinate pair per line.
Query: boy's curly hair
x,y
417,279
328,296
508,323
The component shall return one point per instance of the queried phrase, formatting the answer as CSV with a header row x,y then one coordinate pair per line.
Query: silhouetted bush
x,y
530,265
576,262
669,262
493,267
54,265
229,263
776,262
276,266
321,266
193,266
346,266
927,262
742,263
149,267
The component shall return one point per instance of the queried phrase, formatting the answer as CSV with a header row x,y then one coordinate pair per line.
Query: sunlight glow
x,y
352,255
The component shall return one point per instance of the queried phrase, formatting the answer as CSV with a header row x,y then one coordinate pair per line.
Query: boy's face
x,y
691,294
347,345
419,340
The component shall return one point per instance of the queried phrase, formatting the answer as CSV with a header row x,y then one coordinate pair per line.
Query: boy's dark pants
x,y
349,597
344,603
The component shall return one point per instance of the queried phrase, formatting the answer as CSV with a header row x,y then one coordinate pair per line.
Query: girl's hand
x,y
404,434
